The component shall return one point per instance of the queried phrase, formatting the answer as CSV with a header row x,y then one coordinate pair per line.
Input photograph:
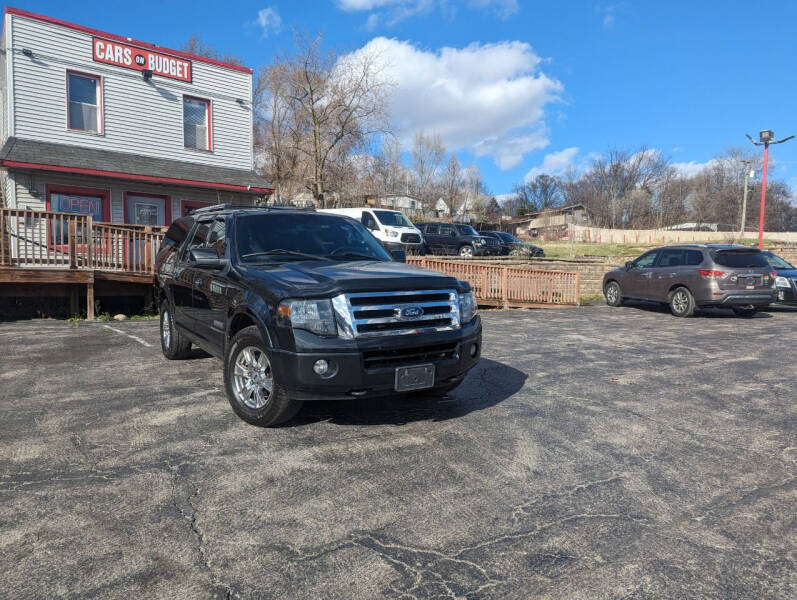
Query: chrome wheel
x,y
166,329
253,382
680,301
612,293
466,252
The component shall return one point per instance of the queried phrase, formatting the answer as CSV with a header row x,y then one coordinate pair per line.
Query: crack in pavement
x,y
520,511
191,518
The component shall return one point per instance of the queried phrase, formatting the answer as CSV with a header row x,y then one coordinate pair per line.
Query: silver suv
x,y
695,276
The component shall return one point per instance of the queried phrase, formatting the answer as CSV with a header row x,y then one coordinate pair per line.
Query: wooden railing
x,y
32,239
508,286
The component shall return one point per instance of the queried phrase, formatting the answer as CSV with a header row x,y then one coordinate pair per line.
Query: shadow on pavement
x,y
488,384
703,313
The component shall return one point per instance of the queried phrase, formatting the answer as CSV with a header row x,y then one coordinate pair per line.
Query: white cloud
x,y
269,20
394,11
691,168
487,98
554,163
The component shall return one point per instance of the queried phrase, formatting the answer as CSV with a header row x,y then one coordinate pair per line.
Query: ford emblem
x,y
411,312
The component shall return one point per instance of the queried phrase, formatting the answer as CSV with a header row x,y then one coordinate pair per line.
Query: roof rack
x,y
229,206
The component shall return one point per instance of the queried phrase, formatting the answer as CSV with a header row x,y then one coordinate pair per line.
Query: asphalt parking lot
x,y
594,453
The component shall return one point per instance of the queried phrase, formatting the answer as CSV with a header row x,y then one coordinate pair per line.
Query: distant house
x,y
441,208
402,202
550,221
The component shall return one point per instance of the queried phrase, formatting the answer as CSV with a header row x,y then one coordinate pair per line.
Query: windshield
x,y
392,218
287,237
466,230
740,260
509,238
777,262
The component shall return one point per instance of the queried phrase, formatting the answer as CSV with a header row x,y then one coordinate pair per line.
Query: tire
x,y
267,403
682,303
744,312
174,344
613,294
466,251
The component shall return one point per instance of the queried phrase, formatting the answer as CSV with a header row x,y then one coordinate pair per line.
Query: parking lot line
x,y
132,337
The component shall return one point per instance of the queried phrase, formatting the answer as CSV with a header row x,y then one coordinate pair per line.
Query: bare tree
x,y
452,181
539,193
194,45
427,156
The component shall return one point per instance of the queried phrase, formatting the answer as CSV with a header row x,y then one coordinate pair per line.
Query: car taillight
x,y
774,274
711,274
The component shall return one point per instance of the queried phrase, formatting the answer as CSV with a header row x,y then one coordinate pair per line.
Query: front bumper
x,y
350,377
786,295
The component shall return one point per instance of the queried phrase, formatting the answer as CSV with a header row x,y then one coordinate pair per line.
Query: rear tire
x,y
613,294
174,344
466,252
744,312
682,303
252,387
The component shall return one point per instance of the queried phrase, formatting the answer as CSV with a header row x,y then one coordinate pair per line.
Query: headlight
x,y
782,282
393,233
315,316
467,307
479,242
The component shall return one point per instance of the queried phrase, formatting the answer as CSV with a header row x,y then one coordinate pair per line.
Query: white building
x,y
127,131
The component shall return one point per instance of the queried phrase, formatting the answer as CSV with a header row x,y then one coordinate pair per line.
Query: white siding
x,y
139,117
19,182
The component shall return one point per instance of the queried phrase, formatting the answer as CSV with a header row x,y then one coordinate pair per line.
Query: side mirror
x,y
398,255
205,258
629,265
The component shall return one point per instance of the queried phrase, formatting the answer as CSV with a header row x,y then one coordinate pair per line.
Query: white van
x,y
388,226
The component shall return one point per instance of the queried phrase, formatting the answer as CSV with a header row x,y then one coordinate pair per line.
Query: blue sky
x,y
520,87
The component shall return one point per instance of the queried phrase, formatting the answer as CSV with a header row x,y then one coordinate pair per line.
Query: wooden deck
x,y
44,248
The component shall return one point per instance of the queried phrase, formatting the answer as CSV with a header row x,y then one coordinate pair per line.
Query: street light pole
x,y
747,176
766,138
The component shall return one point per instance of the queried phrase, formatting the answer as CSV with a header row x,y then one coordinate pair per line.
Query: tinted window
x,y
218,237
269,237
646,260
433,229
743,259
671,258
446,230
368,221
777,262
693,258
200,236
392,218
177,232
466,230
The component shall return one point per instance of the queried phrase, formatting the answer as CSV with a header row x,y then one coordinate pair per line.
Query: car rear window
x,y
693,258
744,259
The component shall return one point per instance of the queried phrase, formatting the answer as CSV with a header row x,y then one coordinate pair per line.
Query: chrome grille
x,y
371,314
410,238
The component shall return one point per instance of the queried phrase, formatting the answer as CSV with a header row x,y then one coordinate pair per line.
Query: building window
x,y
81,201
84,93
196,123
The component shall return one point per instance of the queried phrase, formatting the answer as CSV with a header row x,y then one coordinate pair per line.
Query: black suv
x,y
304,306
513,246
456,238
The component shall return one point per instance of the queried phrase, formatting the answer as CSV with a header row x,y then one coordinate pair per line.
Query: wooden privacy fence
x,y
30,239
508,286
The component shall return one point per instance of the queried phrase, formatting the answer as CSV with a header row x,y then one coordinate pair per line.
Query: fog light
x,y
320,367
474,348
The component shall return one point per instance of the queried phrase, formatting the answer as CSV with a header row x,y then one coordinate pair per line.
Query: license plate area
x,y
418,377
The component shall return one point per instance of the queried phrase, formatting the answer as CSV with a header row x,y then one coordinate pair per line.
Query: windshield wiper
x,y
282,252
353,255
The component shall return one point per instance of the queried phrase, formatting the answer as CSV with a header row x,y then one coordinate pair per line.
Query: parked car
x,y
456,238
302,305
786,280
391,227
691,277
512,245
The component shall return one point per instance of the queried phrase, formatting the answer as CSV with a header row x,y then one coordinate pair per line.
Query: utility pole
x,y
748,174
766,138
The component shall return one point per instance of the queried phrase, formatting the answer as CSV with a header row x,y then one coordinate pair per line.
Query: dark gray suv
x,y
690,277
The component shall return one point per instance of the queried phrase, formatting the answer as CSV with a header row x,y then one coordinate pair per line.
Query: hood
x,y
328,278
790,273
